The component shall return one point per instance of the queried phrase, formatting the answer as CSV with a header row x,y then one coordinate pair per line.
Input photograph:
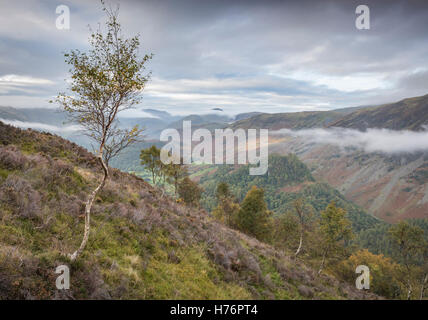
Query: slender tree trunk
x,y
88,208
228,218
323,261
409,281
409,290
299,209
300,245
424,282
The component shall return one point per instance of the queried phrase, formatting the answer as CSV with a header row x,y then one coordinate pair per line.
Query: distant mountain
x,y
152,126
9,113
200,120
162,115
41,115
293,120
410,114
246,115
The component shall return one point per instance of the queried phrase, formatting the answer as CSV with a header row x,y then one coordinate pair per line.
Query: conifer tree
x,y
227,208
335,229
254,218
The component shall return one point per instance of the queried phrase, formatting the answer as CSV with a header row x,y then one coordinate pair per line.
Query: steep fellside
x,y
143,244
389,187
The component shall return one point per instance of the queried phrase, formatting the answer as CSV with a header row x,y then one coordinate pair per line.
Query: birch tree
x,y
150,159
106,80
302,216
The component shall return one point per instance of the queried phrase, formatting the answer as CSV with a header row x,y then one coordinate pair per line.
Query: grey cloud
x,y
417,80
269,50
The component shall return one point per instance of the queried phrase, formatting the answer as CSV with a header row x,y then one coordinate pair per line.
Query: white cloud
x,y
372,140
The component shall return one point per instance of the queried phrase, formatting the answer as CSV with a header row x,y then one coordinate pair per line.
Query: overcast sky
x,y
240,56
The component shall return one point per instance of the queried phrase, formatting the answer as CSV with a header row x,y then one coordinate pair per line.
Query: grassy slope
x,y
142,246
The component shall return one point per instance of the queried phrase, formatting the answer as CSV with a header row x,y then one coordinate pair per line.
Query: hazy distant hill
x,y
162,115
42,115
247,115
199,120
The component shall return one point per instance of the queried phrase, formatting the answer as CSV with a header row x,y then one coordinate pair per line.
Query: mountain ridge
x,y
410,114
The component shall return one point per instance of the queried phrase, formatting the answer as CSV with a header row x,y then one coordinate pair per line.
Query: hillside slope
x,y
390,187
143,244
409,114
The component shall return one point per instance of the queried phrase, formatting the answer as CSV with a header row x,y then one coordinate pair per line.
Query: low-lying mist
x,y
42,126
371,140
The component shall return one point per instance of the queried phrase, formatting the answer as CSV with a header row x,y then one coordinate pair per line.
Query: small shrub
x,y
11,158
20,196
